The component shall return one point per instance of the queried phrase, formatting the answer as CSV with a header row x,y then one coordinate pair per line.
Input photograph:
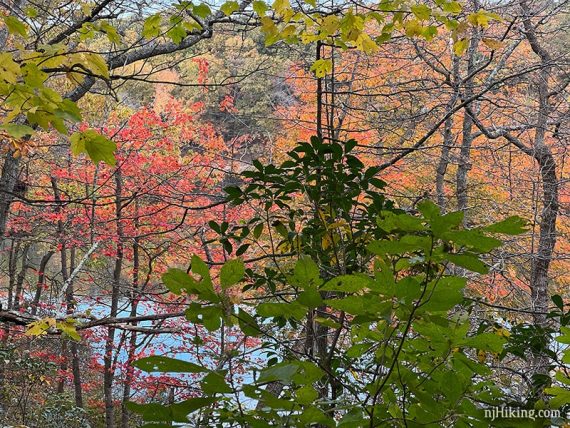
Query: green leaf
x,y
16,130
473,239
69,110
231,273
248,324
286,310
313,415
201,10
361,305
9,69
229,7
97,64
321,67
328,322
348,283
485,341
177,33
481,18
111,32
37,328
96,146
510,226
201,268
207,315
444,294
260,7
442,224
561,396
310,297
459,359
31,12
306,272
306,394
151,26
282,372
177,281
258,230
162,364
170,413
214,383
429,210
408,243
557,300
467,261
390,221
421,11
15,26
564,336
33,76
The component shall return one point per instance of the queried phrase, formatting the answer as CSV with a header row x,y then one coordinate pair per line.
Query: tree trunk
x,y
464,165
21,277
12,265
109,344
547,240
448,142
69,301
132,345
550,203
74,346
8,180
41,281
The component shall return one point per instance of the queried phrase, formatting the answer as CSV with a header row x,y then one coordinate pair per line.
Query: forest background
x,y
123,123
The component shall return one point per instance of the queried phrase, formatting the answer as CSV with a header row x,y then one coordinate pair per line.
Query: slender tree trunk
x,y
464,165
546,242
74,346
109,344
448,142
8,180
64,275
550,200
12,259
12,266
132,345
41,281
21,277
69,301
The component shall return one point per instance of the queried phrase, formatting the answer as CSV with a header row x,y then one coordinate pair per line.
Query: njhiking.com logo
x,y
506,412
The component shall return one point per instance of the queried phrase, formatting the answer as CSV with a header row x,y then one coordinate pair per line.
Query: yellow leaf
x,y
268,26
321,67
325,242
503,332
68,329
288,31
421,11
307,38
413,28
37,328
366,44
281,6
493,43
460,46
96,64
330,24
9,69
